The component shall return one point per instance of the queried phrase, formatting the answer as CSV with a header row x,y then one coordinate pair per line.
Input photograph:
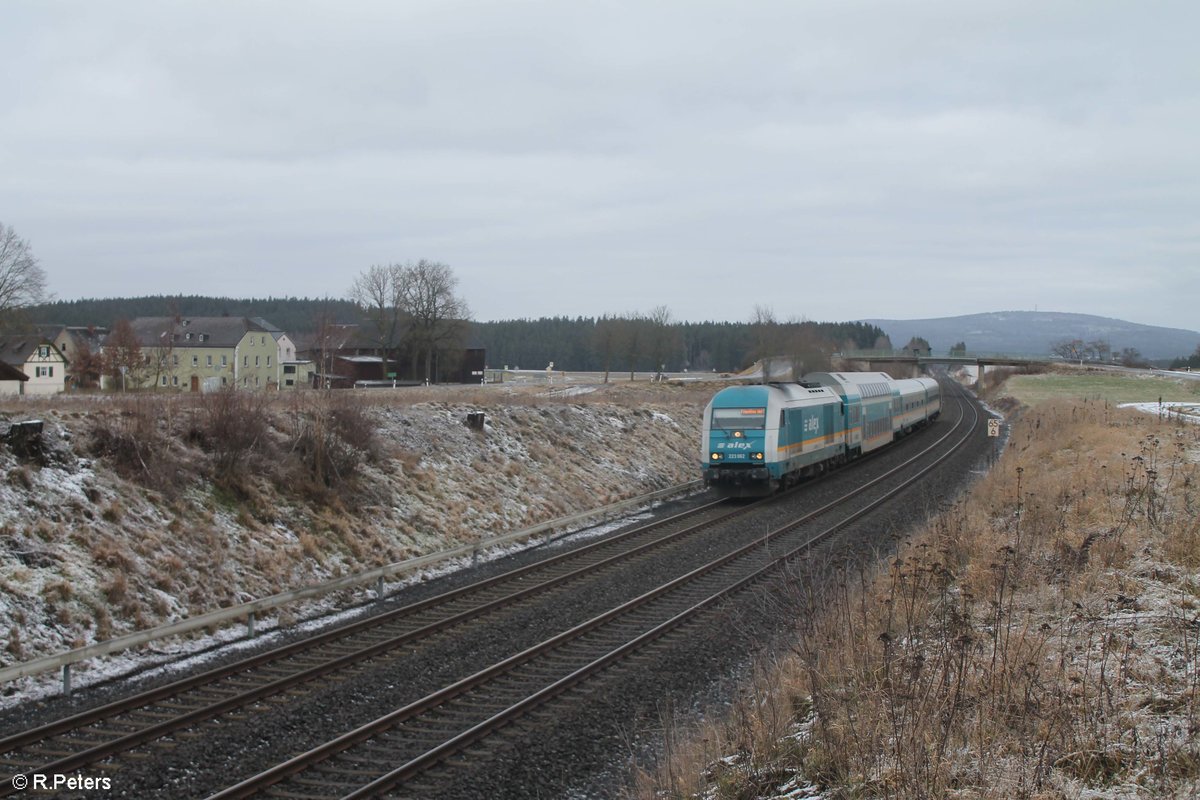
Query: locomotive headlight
x,y
716,456
739,435
758,456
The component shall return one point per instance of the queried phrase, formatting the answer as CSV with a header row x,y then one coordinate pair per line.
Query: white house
x,y
12,380
43,364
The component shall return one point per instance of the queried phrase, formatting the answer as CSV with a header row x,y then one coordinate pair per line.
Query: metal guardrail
x,y
377,575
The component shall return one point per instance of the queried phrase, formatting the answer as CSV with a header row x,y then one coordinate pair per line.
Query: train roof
x,y
736,396
864,384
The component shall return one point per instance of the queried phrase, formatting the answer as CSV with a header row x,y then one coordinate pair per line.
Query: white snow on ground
x,y
1169,410
86,555
175,656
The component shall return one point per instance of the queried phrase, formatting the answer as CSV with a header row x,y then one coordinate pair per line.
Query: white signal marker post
x,y
994,433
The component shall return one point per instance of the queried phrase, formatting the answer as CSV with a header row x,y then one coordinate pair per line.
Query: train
x,y
758,439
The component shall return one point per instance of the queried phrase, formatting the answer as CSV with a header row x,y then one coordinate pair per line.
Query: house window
x,y
164,380
209,360
264,340
175,359
289,382
224,361
44,372
188,336
44,351
289,369
174,380
256,361
256,380
224,380
195,361
204,337
245,361
268,361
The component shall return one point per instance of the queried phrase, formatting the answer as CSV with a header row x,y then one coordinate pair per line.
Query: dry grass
x,y
194,511
1039,639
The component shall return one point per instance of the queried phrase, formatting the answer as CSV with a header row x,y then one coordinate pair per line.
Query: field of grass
x,y
1038,640
1115,389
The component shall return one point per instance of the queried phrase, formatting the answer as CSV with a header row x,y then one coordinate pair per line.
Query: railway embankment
x,y
136,511
1040,639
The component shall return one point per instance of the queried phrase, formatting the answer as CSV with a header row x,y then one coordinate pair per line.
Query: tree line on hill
x,y
653,342
1190,362
287,313
609,343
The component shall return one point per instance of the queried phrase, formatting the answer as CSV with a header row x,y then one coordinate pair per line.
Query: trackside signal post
x,y
994,435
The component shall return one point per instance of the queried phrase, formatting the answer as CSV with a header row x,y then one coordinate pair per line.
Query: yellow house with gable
x,y
209,353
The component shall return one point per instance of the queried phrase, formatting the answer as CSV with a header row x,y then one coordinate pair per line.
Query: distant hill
x,y
1036,332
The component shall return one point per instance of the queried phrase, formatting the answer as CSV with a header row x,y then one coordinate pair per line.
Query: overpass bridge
x,y
912,361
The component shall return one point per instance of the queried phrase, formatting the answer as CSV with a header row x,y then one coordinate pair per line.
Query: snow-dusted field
x,y
86,555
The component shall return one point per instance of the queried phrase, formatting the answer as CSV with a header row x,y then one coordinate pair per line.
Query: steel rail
x,y
26,739
249,609
371,730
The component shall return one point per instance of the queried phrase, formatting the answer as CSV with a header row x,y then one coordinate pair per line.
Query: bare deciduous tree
x,y
437,314
379,291
664,339
328,339
123,360
1072,349
1101,348
631,339
22,281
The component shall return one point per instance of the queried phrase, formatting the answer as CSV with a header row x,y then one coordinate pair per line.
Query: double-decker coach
x,y
759,438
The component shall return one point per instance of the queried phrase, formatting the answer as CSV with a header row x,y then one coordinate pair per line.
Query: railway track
x,y
401,752
510,688
75,742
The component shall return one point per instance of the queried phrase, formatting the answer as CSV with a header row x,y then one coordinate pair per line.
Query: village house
x,y
12,380
81,347
38,359
209,353
347,355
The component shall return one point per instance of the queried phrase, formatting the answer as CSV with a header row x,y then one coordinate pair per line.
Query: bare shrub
x,y
113,512
234,429
116,588
133,438
21,477
332,435
15,647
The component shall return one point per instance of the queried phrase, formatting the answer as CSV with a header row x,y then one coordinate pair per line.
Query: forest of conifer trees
x,y
595,344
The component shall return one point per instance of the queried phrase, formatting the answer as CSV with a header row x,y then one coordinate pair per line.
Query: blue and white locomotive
x,y
757,439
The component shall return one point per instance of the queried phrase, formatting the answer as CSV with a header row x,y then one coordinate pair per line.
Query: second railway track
x,y
402,751
463,704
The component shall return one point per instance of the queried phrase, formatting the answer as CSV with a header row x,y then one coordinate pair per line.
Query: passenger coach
x,y
757,439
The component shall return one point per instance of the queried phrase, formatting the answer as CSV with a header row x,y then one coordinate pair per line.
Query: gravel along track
x,y
582,743
79,740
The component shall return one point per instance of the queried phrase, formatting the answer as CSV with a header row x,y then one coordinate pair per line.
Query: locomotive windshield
x,y
739,419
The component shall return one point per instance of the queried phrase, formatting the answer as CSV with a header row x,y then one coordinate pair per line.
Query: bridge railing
x,y
921,355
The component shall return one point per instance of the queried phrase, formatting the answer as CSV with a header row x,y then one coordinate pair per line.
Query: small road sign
x,y
993,427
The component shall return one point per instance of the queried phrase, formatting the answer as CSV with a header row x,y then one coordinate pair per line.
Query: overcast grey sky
x,y
831,160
